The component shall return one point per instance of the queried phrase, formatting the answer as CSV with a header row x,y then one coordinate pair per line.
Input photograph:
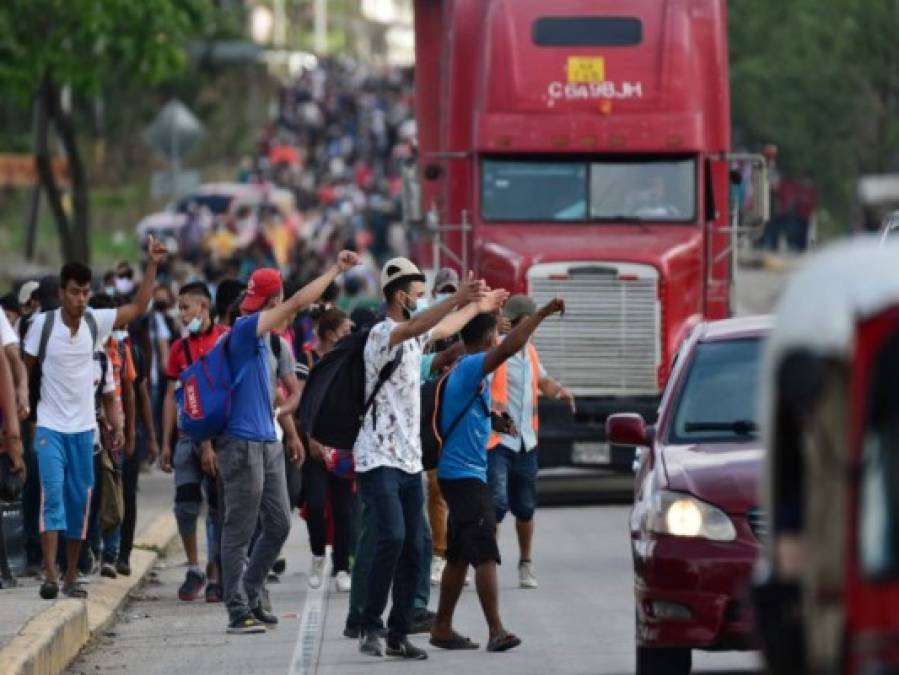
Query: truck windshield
x,y
581,190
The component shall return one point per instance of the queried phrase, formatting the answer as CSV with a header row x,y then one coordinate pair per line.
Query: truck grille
x,y
758,524
608,343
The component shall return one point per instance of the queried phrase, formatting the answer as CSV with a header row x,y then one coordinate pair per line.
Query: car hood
x,y
726,475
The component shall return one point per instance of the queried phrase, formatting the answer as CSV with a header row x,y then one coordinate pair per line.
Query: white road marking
x,y
309,638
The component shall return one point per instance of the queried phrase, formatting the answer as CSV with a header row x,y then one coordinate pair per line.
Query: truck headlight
x,y
682,515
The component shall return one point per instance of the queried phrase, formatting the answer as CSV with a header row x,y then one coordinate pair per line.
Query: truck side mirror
x,y
628,429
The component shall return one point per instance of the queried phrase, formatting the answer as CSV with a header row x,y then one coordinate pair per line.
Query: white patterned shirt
x,y
391,432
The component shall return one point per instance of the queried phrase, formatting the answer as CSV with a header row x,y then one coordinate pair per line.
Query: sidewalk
x,y
37,636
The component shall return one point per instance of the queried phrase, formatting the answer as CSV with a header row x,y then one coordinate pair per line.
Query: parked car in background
x,y
695,525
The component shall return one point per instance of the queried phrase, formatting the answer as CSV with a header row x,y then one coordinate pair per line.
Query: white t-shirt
x,y
7,332
395,440
68,373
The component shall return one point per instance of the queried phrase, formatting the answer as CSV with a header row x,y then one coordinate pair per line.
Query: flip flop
x,y
502,643
456,642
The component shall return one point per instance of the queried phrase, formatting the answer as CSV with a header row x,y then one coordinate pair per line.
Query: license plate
x,y
591,452
586,69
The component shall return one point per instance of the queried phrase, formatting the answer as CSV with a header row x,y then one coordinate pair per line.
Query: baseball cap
x,y
400,268
264,283
27,290
446,276
518,306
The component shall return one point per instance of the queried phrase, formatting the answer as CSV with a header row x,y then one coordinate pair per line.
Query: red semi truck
x,y
580,148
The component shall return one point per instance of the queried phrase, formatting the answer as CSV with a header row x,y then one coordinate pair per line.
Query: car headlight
x,y
682,515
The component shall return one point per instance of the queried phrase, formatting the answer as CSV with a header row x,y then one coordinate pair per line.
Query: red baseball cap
x,y
264,283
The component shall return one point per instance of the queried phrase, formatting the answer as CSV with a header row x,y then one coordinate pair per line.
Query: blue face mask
x,y
443,296
421,304
109,290
120,334
195,325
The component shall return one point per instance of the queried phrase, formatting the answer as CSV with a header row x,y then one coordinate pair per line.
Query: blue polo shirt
x,y
251,416
464,452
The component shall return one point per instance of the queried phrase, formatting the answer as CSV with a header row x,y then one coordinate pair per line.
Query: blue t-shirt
x,y
251,416
464,452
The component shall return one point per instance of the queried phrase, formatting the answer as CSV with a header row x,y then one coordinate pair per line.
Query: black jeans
x,y
130,474
395,500
31,498
318,485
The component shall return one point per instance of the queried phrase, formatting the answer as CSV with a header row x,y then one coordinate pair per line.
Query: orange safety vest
x,y
499,392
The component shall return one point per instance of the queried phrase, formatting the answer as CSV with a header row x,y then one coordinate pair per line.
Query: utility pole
x,y
321,27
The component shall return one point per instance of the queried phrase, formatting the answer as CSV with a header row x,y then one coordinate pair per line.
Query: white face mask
x,y
124,285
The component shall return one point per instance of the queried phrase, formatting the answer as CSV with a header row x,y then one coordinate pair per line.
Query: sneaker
x,y
49,590
87,563
343,582
469,576
422,620
214,592
370,643
315,572
246,625
108,570
265,600
75,591
123,568
279,566
265,617
406,650
194,581
526,576
352,632
437,565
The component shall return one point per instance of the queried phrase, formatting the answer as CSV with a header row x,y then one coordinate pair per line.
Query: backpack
x,y
432,397
333,406
34,379
204,398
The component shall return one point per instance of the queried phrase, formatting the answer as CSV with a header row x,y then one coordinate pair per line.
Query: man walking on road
x,y
388,448
187,458
512,461
462,472
250,460
66,416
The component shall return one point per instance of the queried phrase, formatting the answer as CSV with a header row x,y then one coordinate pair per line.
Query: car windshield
x,y
216,203
717,402
580,190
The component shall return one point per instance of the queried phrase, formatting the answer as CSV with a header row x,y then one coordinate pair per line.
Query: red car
x,y
695,525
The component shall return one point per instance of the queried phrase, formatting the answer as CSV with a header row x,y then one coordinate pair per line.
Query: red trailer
x,y
580,148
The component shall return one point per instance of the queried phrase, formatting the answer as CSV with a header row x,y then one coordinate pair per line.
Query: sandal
x,y
502,643
456,642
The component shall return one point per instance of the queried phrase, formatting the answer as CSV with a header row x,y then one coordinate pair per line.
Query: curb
x,y
49,642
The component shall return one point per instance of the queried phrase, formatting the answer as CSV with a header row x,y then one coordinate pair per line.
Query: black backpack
x,y
333,406
432,437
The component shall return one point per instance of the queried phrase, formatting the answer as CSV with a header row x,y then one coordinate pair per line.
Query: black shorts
x,y
471,526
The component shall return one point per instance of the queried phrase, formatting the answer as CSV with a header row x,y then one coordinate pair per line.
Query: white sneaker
x,y
437,565
315,572
469,576
526,576
343,582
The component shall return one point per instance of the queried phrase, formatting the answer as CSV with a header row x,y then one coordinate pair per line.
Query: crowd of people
x,y
88,355
92,389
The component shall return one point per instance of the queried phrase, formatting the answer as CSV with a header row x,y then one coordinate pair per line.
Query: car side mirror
x,y
628,429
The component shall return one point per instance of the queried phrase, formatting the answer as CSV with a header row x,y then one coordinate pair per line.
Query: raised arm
x,y
518,336
307,295
470,291
456,321
125,314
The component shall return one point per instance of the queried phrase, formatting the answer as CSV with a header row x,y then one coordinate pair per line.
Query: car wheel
x,y
664,661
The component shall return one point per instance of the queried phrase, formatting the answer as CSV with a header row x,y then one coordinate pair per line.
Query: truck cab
x,y
579,148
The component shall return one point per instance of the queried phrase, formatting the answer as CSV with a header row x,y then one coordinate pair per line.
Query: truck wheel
x,y
664,661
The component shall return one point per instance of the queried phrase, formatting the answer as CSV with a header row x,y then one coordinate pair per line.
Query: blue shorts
x,y
66,464
513,481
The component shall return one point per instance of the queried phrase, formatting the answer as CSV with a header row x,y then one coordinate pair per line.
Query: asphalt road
x,y
579,621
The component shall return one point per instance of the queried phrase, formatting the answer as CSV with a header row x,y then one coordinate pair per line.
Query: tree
x,y
49,48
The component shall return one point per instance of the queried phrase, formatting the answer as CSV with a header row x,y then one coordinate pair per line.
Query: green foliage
x,y
84,43
821,81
